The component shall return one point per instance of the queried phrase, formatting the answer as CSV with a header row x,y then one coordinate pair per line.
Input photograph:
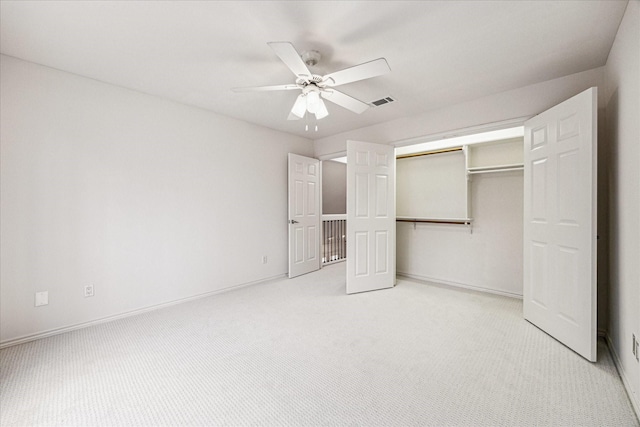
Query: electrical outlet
x,y
42,298
88,291
264,259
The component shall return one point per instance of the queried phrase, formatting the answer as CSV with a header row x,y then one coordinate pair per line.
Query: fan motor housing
x,y
314,79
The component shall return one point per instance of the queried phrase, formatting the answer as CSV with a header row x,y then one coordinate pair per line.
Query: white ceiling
x,y
440,52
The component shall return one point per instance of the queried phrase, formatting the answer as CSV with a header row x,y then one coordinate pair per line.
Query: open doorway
x,y
334,211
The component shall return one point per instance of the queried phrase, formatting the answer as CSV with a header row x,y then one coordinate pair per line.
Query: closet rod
x,y
428,153
436,221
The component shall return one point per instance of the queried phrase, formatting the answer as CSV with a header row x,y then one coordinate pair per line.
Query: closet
x,y
460,215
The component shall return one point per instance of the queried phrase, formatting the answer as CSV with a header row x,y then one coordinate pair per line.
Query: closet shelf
x,y
461,221
495,168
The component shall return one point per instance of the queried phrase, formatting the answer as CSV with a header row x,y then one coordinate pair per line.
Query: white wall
x,y
490,258
148,200
622,97
334,187
433,186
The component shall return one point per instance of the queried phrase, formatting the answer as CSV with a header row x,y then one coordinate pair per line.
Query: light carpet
x,y
300,352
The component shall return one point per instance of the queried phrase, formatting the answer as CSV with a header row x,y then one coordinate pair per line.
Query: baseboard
x,y
458,285
635,403
56,331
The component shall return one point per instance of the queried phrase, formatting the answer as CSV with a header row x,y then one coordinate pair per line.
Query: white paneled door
x,y
560,222
304,215
371,217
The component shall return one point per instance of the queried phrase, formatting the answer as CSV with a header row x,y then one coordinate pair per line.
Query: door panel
x,y
382,252
371,221
559,294
539,274
304,215
361,253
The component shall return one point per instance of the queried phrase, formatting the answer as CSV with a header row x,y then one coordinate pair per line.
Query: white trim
x,y
454,133
56,331
334,217
433,280
623,376
334,155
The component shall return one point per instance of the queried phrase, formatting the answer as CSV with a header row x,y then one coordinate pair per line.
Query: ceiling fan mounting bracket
x,y
311,57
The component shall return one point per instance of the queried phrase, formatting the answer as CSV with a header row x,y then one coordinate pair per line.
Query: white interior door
x,y
560,222
371,217
304,215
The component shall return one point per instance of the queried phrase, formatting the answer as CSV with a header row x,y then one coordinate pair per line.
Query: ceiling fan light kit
x,y
313,101
309,100
300,107
316,88
322,111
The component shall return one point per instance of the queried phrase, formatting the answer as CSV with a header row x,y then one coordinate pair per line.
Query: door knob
x,y
293,221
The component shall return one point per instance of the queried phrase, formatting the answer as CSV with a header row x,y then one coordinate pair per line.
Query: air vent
x,y
383,101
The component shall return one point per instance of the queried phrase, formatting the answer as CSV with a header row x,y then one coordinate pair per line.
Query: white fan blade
x,y
265,88
344,100
288,54
322,110
299,108
367,70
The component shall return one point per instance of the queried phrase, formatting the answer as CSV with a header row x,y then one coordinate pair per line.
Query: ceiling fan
x,y
315,88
